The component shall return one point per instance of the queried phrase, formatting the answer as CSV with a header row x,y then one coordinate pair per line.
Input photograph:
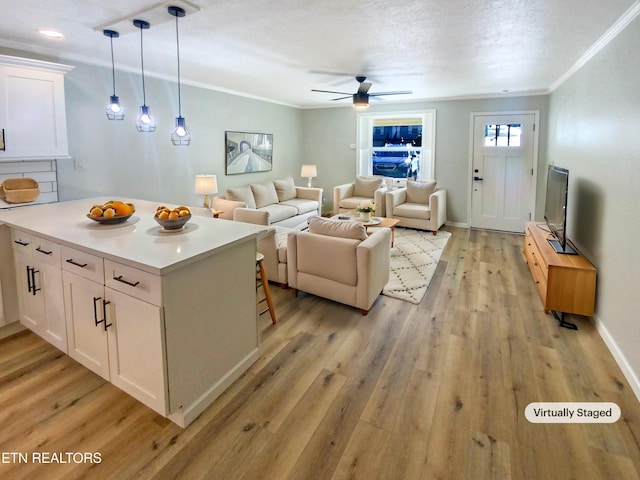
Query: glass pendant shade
x,y
114,110
145,122
180,136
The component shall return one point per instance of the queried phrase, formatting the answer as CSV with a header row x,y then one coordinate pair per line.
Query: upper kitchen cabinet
x,y
33,122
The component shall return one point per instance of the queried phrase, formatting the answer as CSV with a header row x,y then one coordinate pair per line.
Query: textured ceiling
x,y
280,50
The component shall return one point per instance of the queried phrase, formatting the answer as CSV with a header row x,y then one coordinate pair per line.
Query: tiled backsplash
x,y
42,171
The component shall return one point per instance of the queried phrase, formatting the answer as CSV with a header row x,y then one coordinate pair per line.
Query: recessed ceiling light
x,y
47,32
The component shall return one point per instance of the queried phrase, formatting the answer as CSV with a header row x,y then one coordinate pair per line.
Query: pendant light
x,y
144,122
114,110
180,135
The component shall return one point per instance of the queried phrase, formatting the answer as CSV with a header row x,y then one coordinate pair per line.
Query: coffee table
x,y
376,222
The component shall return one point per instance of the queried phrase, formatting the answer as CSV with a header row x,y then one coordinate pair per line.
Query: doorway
x,y
503,170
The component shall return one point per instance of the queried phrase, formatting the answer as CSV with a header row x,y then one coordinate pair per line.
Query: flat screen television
x,y
555,209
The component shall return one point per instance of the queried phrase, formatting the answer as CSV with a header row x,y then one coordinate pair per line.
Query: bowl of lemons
x,y
111,212
172,218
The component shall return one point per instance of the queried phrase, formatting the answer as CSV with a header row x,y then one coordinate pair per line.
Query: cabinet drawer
x,y
45,250
132,281
21,241
82,264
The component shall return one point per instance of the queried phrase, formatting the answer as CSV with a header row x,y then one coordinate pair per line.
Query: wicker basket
x,y
20,190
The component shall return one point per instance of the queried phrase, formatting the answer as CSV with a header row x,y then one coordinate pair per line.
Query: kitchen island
x,y
167,316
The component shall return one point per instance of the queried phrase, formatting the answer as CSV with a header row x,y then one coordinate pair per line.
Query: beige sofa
x,y
274,202
419,205
273,245
338,261
350,195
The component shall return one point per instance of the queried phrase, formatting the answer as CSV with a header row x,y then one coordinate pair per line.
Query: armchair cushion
x,y
419,192
339,266
413,210
285,189
333,228
366,187
241,194
264,194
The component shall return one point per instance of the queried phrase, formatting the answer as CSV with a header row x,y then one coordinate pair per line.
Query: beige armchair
x,y
348,196
338,261
418,205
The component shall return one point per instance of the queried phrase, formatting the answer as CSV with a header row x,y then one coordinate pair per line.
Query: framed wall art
x,y
248,152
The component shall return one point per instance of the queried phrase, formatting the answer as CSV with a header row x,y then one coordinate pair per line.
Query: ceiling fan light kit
x,y
361,97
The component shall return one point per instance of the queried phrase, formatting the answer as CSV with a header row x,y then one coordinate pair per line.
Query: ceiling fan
x,y
361,97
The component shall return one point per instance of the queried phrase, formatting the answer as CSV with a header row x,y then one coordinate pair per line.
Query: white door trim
x,y
536,136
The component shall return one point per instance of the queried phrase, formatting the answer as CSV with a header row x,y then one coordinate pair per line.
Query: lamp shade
x,y
206,184
309,171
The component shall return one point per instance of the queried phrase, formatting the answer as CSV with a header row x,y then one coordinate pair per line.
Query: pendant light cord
x,y
113,67
178,50
144,95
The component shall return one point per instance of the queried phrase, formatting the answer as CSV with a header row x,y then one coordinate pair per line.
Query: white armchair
x,y
348,196
338,261
418,205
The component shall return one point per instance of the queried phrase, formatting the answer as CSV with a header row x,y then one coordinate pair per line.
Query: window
x,y
397,146
506,135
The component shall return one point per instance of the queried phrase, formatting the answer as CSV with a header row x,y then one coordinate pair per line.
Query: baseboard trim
x,y
618,356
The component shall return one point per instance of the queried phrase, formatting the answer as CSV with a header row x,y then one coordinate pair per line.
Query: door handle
x,y
477,178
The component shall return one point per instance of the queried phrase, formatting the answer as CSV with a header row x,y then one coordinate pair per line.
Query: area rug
x,y
414,258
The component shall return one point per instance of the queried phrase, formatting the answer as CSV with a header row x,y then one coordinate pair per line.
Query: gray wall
x,y
329,132
594,131
120,161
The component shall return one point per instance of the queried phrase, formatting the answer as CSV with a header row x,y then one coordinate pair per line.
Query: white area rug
x,y
414,258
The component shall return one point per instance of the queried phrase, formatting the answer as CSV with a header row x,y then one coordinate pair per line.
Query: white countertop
x,y
139,242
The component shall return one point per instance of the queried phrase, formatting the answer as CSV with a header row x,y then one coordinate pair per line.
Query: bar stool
x,y
265,287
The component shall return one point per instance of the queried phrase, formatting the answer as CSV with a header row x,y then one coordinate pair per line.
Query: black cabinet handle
x,y
73,262
29,286
104,312
127,282
20,242
33,280
44,251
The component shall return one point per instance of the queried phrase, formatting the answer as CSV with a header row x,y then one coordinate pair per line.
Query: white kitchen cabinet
x,y
116,335
39,283
32,109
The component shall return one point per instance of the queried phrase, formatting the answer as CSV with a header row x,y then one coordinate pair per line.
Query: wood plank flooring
x,y
430,391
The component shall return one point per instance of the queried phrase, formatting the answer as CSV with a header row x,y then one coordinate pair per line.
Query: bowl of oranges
x,y
111,212
172,218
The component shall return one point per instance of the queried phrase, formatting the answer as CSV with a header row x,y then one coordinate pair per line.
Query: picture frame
x,y
248,152
2,147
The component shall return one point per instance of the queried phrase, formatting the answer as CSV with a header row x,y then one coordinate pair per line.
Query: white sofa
x,y
338,261
348,196
274,202
419,205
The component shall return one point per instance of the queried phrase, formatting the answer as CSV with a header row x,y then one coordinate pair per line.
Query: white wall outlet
x,y
78,163
352,146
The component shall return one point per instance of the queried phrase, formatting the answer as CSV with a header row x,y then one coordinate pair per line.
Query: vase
x,y
365,216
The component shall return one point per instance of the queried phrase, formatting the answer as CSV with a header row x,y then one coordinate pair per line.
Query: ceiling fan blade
x,y
364,87
399,92
341,98
330,91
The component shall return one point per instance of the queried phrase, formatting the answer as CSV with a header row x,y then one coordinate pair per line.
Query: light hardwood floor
x,y
430,391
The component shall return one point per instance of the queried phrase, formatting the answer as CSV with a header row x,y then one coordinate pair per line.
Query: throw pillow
x,y
264,193
241,194
337,228
365,187
285,189
419,192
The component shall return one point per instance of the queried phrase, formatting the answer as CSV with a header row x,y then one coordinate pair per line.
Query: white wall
x,y
329,132
594,131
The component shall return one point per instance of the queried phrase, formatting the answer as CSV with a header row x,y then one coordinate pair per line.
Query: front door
x,y
503,171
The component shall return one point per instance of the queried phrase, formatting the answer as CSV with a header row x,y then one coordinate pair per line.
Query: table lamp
x,y
309,171
206,185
